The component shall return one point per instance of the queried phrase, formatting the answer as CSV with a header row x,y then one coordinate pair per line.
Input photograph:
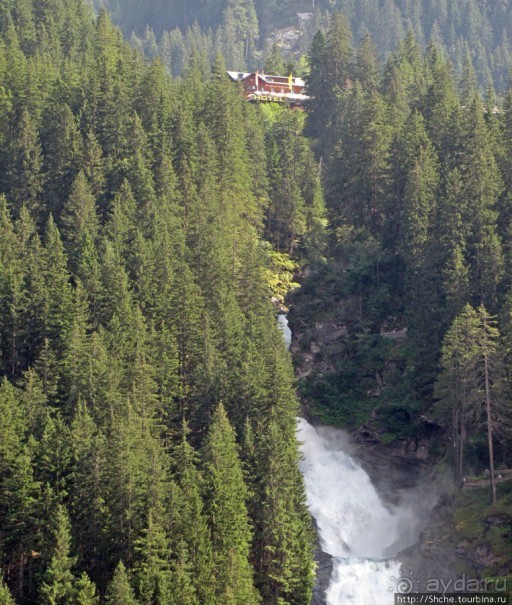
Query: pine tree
x,y
366,68
338,50
79,218
482,186
226,494
422,289
26,173
224,116
77,360
135,476
119,591
316,82
54,456
34,402
62,151
453,243
285,569
152,572
5,595
57,586
359,174
87,476
286,220
189,528
33,276
470,385
505,161
121,226
85,591
94,166
442,105
58,291
332,57
14,306
183,590
87,271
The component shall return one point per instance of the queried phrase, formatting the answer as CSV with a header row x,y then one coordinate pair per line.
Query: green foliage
x,y
57,586
414,181
5,595
478,523
119,591
280,274
152,572
134,296
85,591
225,497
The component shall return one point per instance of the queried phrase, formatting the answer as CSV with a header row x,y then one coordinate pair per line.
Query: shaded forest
x,y
418,187
245,30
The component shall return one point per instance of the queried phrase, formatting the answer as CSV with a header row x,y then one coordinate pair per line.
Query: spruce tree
x,y
189,529
5,595
79,218
85,591
22,525
119,591
26,173
470,385
152,571
62,151
89,515
285,570
58,304
225,495
57,587
482,186
338,58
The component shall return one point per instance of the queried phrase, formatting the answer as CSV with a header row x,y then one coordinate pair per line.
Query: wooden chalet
x,y
275,89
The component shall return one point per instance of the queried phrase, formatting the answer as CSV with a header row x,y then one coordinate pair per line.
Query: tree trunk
x,y
457,442
489,428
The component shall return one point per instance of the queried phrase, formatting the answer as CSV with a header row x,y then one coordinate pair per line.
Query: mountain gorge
x,y
153,223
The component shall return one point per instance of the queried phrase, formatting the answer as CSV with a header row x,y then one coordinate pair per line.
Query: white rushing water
x,y
356,527
282,324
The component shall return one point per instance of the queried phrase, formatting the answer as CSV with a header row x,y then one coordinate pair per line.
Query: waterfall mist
x,y
356,527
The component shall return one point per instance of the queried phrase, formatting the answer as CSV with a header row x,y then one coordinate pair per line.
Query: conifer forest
x,y
152,221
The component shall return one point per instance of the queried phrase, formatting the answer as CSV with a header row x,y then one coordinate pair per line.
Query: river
x,y
356,526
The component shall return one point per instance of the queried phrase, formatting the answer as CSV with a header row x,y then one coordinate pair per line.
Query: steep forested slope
x,y
412,312
147,444
245,29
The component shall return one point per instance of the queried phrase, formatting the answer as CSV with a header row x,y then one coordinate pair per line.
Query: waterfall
x,y
356,527
282,324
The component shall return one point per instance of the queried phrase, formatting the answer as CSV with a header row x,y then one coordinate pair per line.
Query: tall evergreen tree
x,y
189,527
482,188
470,384
119,591
85,591
152,572
26,174
225,496
57,586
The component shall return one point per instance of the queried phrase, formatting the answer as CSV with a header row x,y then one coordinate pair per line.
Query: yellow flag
x,y
290,82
